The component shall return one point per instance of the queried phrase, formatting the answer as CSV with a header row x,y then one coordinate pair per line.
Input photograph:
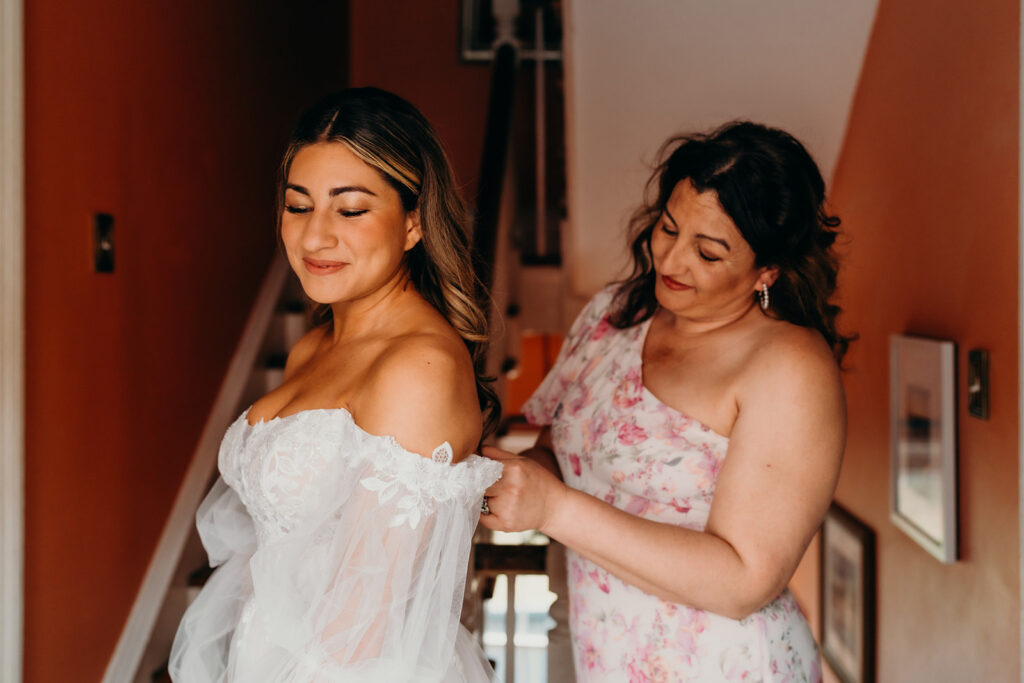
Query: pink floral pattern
x,y
616,441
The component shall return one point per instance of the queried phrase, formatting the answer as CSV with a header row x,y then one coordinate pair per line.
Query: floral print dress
x,y
618,442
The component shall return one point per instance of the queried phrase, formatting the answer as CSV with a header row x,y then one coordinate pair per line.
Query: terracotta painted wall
x,y
411,48
927,189
172,117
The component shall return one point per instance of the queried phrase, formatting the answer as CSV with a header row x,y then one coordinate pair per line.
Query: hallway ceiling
x,y
639,72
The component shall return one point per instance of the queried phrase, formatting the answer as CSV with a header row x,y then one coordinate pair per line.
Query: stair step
x,y
161,674
294,324
294,306
286,329
276,360
199,576
261,382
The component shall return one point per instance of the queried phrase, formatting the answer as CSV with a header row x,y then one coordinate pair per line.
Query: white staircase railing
x,y
12,330
155,586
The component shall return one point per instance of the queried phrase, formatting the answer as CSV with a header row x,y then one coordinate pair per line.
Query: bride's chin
x,y
317,296
317,293
321,300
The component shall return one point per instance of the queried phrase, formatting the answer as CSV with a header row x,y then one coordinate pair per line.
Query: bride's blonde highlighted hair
x,y
392,136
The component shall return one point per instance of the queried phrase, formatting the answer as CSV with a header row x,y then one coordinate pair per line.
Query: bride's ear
x,y
413,230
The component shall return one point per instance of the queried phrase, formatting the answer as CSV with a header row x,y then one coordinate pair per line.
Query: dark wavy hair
x,y
392,136
773,191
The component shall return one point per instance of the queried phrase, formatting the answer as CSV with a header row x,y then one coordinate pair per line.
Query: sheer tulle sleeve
x,y
353,570
590,326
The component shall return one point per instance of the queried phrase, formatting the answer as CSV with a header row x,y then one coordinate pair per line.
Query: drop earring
x,y
764,297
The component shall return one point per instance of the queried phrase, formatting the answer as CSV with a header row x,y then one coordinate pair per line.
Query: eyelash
x,y
306,209
709,259
672,233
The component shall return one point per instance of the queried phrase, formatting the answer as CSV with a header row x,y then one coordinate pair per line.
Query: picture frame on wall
x,y
923,483
478,30
848,596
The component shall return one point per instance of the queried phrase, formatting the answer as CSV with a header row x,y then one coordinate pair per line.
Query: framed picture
x,y
923,476
479,29
848,596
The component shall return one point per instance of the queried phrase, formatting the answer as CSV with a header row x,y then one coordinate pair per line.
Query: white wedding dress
x,y
340,557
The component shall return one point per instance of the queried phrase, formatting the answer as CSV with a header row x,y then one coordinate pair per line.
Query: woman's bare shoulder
x,y
790,357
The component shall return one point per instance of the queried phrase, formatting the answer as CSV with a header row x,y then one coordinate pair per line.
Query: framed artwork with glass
x,y
848,596
923,449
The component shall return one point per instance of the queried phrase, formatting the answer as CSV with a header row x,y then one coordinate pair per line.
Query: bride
x,y
342,520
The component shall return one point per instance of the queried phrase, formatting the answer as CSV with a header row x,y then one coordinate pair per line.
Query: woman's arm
x,y
772,493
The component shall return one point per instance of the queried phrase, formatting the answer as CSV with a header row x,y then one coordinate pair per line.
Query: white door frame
x,y
12,330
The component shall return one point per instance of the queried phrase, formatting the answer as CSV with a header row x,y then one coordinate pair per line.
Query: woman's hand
x,y
526,497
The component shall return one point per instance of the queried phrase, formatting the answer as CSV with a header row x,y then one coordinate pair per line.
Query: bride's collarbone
x,y
334,376
321,383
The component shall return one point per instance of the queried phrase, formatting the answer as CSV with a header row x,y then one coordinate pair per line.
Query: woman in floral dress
x,y
695,424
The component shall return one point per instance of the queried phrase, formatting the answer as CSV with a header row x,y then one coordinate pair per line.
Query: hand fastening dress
x,y
616,441
341,557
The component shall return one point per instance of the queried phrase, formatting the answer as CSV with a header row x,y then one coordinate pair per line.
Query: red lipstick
x,y
320,267
674,284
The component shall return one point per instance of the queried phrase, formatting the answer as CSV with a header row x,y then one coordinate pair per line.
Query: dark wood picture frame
x,y
477,31
848,596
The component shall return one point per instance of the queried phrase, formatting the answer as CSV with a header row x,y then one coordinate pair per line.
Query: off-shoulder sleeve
x,y
363,583
590,326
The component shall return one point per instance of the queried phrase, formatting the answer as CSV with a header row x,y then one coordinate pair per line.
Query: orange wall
x,y
171,116
927,189
411,48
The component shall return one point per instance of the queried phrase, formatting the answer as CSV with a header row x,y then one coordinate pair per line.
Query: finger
x,y
503,485
490,521
496,453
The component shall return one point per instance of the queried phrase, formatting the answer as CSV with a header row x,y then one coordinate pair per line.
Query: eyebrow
x,y
334,192
699,235
725,244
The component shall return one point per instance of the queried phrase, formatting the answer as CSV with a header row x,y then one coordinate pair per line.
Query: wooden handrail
x,y
181,521
492,162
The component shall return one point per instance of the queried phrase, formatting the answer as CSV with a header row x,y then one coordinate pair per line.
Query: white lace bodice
x,y
280,469
342,558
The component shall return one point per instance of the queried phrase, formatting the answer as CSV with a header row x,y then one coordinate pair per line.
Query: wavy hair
x,y
770,187
392,136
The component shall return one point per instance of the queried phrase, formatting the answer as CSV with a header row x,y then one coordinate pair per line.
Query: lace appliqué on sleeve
x,y
442,455
417,485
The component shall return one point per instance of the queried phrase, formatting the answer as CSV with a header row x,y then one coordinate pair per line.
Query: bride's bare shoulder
x,y
422,390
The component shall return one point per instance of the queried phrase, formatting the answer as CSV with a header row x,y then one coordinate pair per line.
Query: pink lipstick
x,y
674,284
319,267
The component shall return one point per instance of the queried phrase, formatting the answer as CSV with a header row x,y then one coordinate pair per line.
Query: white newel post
x,y
560,659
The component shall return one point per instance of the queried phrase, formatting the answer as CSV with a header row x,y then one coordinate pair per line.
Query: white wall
x,y
11,340
638,72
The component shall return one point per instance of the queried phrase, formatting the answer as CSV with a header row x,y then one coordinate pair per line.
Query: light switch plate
x,y
103,242
977,383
